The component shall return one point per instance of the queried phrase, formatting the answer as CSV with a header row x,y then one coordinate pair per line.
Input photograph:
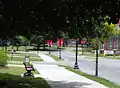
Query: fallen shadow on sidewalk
x,y
65,84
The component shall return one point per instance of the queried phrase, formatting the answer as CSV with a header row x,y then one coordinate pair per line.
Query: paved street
x,y
108,68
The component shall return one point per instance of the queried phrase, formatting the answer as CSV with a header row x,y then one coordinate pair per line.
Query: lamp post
x,y
82,49
76,63
60,49
49,49
49,42
96,69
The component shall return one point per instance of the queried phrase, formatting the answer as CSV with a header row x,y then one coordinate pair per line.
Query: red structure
x,y
60,42
49,42
106,45
83,41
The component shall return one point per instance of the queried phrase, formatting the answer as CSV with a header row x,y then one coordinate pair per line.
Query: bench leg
x,y
28,74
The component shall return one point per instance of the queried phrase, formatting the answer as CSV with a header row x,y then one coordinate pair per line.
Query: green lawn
x,y
54,57
10,78
17,56
21,48
15,70
24,54
22,59
97,79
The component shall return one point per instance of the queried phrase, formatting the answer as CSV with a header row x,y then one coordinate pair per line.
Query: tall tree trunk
x,y
2,47
6,49
38,47
17,48
43,45
44,42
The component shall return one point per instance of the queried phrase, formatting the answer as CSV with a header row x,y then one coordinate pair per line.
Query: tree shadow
x,y
15,81
65,84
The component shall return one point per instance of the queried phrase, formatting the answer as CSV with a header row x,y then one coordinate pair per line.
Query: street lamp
x,y
49,49
60,49
49,42
76,63
96,69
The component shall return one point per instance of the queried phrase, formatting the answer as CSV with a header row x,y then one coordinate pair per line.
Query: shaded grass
x,y
97,79
14,81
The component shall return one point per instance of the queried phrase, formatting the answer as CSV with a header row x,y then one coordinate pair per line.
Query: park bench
x,y
28,68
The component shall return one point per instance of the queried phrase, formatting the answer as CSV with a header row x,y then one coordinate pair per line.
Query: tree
x,y
109,30
19,41
19,16
37,40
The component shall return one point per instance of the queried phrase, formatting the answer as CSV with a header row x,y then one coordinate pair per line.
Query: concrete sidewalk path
x,y
59,77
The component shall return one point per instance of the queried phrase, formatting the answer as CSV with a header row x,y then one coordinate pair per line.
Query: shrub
x,y
101,55
111,54
3,58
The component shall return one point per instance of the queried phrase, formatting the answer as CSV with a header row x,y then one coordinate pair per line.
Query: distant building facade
x,y
113,42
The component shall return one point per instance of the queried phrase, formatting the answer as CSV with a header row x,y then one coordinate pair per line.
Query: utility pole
x,y
96,69
76,63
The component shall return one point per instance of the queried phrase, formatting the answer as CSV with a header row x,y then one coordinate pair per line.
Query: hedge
x,y
3,58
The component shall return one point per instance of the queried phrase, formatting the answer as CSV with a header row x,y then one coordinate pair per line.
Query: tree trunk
x,y
6,49
38,47
43,45
44,42
17,48
2,47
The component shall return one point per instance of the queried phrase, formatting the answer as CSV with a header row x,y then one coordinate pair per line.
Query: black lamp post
x,y
96,69
49,48
76,63
82,49
60,50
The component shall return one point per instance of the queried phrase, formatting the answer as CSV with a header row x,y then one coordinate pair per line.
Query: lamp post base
x,y
49,52
59,57
76,66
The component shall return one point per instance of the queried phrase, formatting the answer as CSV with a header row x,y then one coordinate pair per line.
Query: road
x,y
108,68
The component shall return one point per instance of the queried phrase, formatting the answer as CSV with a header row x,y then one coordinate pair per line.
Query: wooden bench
x,y
28,68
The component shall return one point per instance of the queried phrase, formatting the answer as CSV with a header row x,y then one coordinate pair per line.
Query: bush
x,y
3,58
101,55
111,54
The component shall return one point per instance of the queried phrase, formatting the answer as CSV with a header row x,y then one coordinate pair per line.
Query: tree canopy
x,y
74,16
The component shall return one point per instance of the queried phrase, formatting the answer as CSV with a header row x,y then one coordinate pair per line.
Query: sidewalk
x,y
59,77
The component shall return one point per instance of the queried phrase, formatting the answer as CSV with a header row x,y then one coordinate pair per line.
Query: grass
x,y
97,79
22,59
10,76
21,48
15,70
15,81
17,56
54,57
25,54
